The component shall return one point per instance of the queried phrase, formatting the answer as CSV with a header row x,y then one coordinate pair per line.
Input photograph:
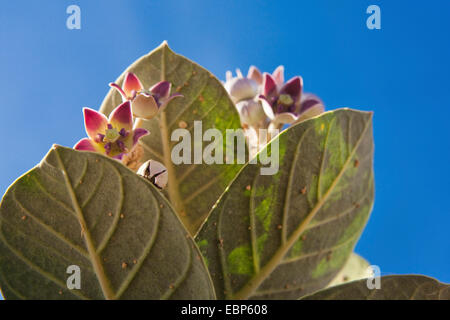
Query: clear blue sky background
x,y
48,73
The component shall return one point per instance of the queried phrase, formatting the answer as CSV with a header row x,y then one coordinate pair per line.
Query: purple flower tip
x,y
108,147
123,132
121,145
100,137
139,133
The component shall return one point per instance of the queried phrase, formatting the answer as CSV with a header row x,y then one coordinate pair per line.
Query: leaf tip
x,y
164,45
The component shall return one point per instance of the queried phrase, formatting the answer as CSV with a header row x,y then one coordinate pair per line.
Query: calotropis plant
x,y
118,136
115,136
145,104
266,101
279,102
220,231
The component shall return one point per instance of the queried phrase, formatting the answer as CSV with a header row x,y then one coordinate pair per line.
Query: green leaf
x,y
84,209
193,188
355,268
404,287
286,235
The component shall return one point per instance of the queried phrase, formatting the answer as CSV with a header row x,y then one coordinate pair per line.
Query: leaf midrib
x,y
172,185
95,259
271,265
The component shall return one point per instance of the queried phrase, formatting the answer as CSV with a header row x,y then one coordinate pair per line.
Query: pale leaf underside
x,y
193,188
397,287
81,208
287,235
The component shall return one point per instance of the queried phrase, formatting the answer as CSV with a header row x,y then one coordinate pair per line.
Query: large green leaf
x,y
81,208
404,287
193,188
287,235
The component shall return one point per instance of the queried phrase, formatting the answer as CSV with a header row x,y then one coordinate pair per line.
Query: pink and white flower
x,y
145,104
114,136
279,102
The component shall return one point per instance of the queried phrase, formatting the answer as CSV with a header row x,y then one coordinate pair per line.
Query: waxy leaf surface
x,y
397,287
84,209
193,188
286,235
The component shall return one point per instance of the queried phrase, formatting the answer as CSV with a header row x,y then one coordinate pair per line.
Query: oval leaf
x,y
83,209
286,235
404,287
193,188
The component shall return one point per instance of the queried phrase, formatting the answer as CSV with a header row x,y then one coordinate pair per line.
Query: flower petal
x,y
251,112
144,106
278,75
252,140
86,144
228,75
266,107
119,156
172,96
293,88
139,133
241,89
162,179
121,117
269,85
118,88
131,83
308,101
255,74
155,172
161,90
156,168
313,111
94,122
285,117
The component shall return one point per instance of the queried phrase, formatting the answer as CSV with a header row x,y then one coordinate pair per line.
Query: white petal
x,y
285,117
267,108
144,106
311,112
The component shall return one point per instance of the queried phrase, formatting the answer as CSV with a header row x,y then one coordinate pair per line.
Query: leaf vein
x,y
287,200
148,247
278,256
115,221
37,269
47,227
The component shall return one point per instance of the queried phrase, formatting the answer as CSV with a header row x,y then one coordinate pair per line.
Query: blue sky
x,y
401,72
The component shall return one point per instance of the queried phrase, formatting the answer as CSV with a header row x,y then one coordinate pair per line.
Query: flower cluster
x,y
267,101
118,135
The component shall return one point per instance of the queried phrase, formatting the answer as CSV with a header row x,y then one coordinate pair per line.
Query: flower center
x,y
112,140
285,99
111,135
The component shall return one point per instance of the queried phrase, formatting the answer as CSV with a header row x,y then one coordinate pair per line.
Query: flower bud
x,y
241,89
154,172
251,112
144,106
